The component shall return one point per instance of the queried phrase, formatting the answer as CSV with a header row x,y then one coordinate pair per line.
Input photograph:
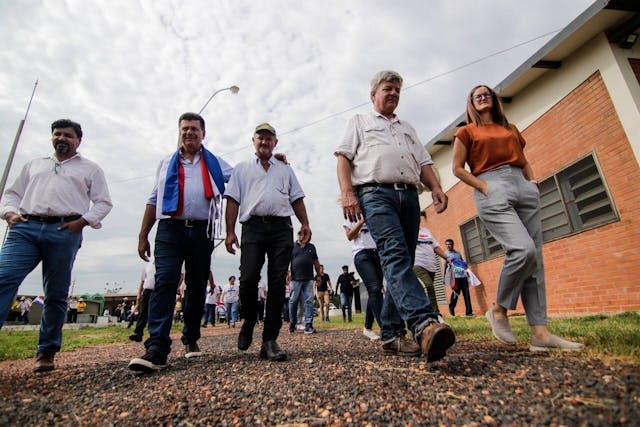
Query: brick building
x,y
577,104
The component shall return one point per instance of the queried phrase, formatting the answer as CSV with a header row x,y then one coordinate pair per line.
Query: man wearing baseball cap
x,y
263,193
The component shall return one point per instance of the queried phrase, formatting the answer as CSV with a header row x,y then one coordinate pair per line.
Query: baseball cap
x,y
265,126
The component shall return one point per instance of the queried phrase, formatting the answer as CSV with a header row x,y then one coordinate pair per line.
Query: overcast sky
x,y
127,69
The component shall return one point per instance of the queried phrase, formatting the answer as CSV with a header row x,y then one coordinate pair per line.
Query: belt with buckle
x,y
51,219
189,223
267,219
399,186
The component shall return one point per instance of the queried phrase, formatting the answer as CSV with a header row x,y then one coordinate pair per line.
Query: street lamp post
x,y
233,89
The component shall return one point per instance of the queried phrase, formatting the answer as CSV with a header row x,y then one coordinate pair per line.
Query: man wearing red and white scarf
x,y
186,200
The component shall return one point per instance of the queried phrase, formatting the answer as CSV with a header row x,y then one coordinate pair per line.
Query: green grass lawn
x,y
615,336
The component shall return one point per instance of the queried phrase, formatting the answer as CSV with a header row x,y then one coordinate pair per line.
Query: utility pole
x,y
12,153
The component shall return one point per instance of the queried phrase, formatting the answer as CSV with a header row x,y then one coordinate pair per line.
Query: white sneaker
x,y
440,319
370,334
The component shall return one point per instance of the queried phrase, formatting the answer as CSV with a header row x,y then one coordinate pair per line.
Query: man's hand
x,y
144,249
13,218
440,200
230,241
350,206
282,157
75,226
304,235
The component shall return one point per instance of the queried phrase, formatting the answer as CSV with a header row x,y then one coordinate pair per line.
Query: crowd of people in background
x,y
380,163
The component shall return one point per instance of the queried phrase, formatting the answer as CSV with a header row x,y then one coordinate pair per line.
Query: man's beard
x,y
62,148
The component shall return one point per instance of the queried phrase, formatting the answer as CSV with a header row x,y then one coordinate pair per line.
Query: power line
x,y
429,79
421,82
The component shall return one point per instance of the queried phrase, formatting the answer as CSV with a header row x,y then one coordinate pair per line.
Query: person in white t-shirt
x,y
367,262
210,302
426,263
230,297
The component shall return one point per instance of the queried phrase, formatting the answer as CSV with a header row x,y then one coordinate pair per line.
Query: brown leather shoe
x,y
435,339
44,362
402,346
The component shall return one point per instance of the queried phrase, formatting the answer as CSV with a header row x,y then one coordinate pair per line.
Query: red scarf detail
x,y
206,182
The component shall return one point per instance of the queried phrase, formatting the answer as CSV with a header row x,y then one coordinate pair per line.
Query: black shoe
x,y
292,328
204,325
150,362
135,337
245,336
44,361
272,351
192,350
308,330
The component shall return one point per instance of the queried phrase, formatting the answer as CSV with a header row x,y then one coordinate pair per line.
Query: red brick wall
x,y
593,271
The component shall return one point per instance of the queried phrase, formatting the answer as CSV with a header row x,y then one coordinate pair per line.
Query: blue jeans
x,y
209,314
392,217
177,244
368,267
301,290
345,304
232,312
27,244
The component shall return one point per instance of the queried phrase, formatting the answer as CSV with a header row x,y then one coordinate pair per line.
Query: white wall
x,y
537,98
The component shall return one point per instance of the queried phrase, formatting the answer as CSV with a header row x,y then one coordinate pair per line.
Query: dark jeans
x,y
368,267
392,217
209,314
462,286
285,310
177,244
275,241
260,310
144,312
72,315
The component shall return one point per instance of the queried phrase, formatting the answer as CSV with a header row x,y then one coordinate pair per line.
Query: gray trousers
x,y
511,213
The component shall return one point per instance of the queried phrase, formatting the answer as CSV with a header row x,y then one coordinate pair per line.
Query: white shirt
x,y
262,291
230,294
425,255
149,276
363,240
382,150
212,297
263,192
47,187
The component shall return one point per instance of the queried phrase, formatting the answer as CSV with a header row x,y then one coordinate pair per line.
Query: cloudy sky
x,y
127,69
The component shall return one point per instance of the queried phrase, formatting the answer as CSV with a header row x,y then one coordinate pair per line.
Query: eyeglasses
x,y
479,97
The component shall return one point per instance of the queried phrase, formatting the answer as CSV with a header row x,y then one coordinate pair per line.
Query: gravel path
x,y
331,378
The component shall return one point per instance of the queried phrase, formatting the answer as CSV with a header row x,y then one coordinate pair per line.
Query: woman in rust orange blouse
x,y
508,203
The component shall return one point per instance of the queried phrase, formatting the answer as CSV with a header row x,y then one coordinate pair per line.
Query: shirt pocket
x,y
376,135
282,185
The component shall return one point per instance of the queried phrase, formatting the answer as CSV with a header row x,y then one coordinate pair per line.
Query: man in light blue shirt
x,y
263,193
186,199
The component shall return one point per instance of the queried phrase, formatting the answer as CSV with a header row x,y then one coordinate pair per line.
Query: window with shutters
x,y
573,200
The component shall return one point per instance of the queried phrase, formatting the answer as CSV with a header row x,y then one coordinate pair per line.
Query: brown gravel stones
x,y
331,378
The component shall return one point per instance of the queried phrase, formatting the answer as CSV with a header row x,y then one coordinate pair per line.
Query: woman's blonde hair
x,y
497,113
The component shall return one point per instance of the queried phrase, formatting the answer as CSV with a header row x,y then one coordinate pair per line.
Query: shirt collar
x,y
257,160
55,159
395,117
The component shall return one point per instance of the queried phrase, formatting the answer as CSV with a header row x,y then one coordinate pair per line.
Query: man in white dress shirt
x,y
46,208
